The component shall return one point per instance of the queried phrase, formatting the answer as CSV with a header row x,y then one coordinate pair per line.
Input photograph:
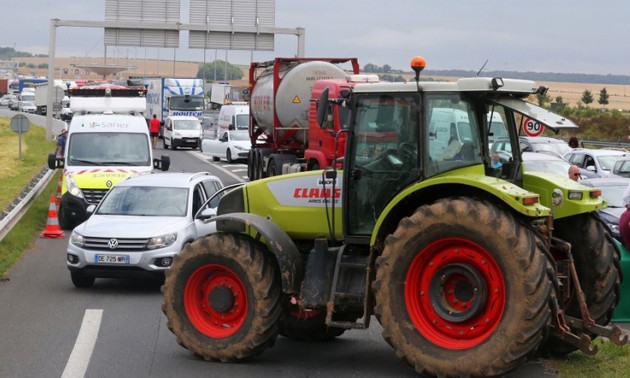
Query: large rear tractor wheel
x,y
222,298
462,289
599,271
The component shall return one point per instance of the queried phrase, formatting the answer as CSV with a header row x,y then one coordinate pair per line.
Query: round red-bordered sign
x,y
532,128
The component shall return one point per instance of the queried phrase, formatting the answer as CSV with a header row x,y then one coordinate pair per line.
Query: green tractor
x,y
470,269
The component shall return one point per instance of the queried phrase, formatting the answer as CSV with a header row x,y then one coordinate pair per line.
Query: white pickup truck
x,y
230,145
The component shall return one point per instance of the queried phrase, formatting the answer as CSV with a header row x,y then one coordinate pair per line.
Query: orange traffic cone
x,y
52,230
58,198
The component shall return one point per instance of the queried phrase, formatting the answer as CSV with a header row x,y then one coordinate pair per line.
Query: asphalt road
x,y
46,326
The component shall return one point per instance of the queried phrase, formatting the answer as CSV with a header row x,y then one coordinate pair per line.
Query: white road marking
x,y
200,156
80,357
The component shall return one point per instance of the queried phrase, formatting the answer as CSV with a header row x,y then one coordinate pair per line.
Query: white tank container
x,y
292,102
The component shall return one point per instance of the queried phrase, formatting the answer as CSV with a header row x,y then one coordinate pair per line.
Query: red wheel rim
x,y
215,301
455,293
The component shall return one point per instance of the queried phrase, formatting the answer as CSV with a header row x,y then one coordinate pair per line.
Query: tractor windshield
x,y
451,133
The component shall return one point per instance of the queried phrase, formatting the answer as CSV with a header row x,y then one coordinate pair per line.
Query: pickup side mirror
x,y
207,213
90,210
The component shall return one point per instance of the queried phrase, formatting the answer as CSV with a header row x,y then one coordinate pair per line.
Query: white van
x,y
234,116
182,131
443,123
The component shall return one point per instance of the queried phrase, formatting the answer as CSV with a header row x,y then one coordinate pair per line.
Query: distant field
x,y
619,95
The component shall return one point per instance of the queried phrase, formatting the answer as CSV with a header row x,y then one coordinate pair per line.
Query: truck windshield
x,y
108,149
187,124
187,103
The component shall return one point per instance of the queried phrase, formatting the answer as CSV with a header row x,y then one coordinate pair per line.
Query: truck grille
x,y
94,196
126,245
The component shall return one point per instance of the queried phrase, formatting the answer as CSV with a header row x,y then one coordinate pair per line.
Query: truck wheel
x,y
598,268
81,280
307,326
275,166
222,298
251,165
462,289
228,156
260,173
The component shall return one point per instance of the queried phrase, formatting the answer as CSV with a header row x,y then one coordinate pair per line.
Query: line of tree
x,y
219,70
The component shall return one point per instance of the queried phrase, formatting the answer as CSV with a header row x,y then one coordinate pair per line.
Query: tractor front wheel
x,y
462,289
222,298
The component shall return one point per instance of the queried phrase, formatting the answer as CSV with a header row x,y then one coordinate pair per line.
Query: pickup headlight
x,y
162,241
76,239
73,188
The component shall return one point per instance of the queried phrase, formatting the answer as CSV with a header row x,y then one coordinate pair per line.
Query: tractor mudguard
x,y
463,183
290,262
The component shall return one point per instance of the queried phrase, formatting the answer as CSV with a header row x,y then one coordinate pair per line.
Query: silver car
x,y
140,225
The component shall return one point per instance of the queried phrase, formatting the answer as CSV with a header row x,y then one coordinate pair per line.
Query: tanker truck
x,y
283,129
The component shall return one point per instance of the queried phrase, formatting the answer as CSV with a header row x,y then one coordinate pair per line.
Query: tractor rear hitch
x,y
565,326
611,332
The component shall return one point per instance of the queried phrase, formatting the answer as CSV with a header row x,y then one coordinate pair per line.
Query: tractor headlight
x,y
576,195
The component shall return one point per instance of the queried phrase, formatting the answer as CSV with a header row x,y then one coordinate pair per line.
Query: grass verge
x,y
611,361
16,242
16,173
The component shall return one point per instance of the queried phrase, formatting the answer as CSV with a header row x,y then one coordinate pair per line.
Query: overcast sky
x,y
575,36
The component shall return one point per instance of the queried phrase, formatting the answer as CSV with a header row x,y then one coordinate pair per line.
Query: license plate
x,y
191,140
112,259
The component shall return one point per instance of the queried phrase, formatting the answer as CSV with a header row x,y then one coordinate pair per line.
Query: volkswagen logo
x,y
112,243
108,184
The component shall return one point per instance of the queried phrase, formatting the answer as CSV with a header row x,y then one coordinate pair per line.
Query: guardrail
x,y
603,144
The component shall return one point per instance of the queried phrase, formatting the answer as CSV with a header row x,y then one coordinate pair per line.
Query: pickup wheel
x,y
456,300
599,271
81,280
222,298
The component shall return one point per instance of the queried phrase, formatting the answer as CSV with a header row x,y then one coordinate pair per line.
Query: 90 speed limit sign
x,y
532,128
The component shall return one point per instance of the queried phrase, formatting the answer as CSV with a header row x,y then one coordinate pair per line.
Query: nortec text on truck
x,y
173,97
283,130
469,270
107,141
